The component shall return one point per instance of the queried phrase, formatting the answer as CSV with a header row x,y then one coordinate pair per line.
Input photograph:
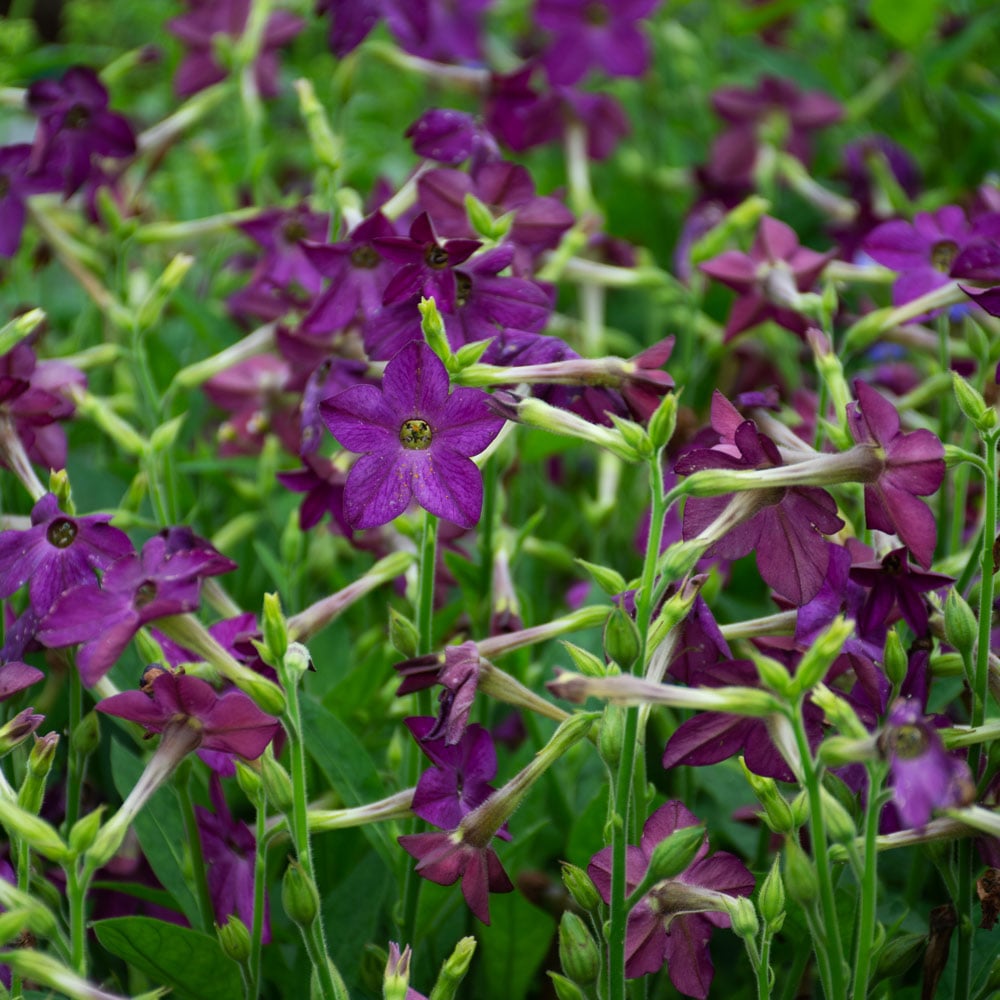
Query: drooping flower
x,y
74,125
417,441
674,921
229,722
913,466
57,552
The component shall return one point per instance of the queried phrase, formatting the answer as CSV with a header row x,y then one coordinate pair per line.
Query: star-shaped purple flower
x,y
417,441
673,922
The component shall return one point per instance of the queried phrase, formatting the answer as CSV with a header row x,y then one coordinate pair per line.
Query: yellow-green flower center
x,y
943,254
415,434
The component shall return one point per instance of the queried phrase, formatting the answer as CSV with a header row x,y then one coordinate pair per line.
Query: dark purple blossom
x,y
18,181
199,29
230,852
674,921
74,125
15,677
57,552
922,774
913,466
442,30
594,32
350,22
323,486
229,722
134,590
768,278
449,136
417,441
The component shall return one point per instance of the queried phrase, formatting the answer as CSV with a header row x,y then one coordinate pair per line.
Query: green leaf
x,y
160,829
519,938
347,767
906,23
192,964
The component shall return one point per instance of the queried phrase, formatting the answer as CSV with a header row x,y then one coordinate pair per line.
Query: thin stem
x,y
76,893
75,761
764,968
202,892
945,423
869,884
259,874
830,947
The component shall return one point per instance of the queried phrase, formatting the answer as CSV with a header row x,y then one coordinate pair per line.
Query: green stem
x,y
202,892
74,761
945,426
869,884
76,895
764,968
828,940
259,875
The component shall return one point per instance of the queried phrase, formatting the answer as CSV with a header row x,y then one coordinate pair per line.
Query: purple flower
x,y
74,124
589,32
323,486
417,441
460,778
449,136
913,465
350,22
768,278
427,266
230,853
933,250
134,590
15,677
229,722
57,552
784,525
445,858
18,181
673,922
199,28
922,774
442,30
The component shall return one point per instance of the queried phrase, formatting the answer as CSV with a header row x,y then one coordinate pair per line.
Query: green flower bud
x,y
19,328
235,939
585,661
294,664
275,628
268,696
432,326
469,354
635,436
298,895
772,899
36,832
609,580
672,856
403,634
972,404
899,954
60,485
276,782
838,820
84,831
479,216
896,662
821,654
166,284
744,918
396,981
165,436
621,638
249,779
86,735
867,330
453,970
42,754
663,422
800,809
774,675
565,989
836,751
800,874
580,887
777,812
960,627
326,146
611,735
577,950
839,712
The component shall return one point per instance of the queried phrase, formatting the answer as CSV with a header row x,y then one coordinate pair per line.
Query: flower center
x,y
365,257
61,533
892,564
463,286
436,257
909,742
942,255
415,434
145,593
4,185
78,116
294,230
596,14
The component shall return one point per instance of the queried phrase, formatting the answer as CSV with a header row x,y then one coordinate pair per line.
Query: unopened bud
x,y
298,895
820,655
899,954
249,779
453,970
635,435
396,981
608,579
275,628
586,662
896,661
839,712
960,627
663,422
744,918
268,695
580,887
276,782
16,730
772,899
972,404
43,752
84,832
565,989
621,638
86,735
674,854
777,812
578,952
774,675
611,735
800,874
403,634
837,819
294,664
433,329
235,939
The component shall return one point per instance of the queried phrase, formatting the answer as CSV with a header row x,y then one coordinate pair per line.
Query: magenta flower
x,y
449,136
57,552
769,278
442,30
674,921
913,466
17,183
74,125
134,590
350,22
594,32
15,677
230,852
229,722
417,441
207,19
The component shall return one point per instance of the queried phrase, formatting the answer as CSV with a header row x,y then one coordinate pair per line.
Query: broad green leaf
x,y
160,829
192,964
519,938
906,23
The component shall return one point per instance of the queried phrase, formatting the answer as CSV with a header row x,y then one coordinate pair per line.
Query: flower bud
x,y
960,626
403,634
453,970
36,832
898,955
634,434
43,752
268,695
821,654
151,308
276,782
275,629
774,675
16,730
972,404
744,917
621,639
432,326
839,823
396,981
896,662
249,779
293,665
86,735
84,831
772,899
777,812
663,422
674,854
608,579
235,939
577,950
586,662
298,895
480,216
165,436
326,146
565,989
580,887
839,712
800,874
610,736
